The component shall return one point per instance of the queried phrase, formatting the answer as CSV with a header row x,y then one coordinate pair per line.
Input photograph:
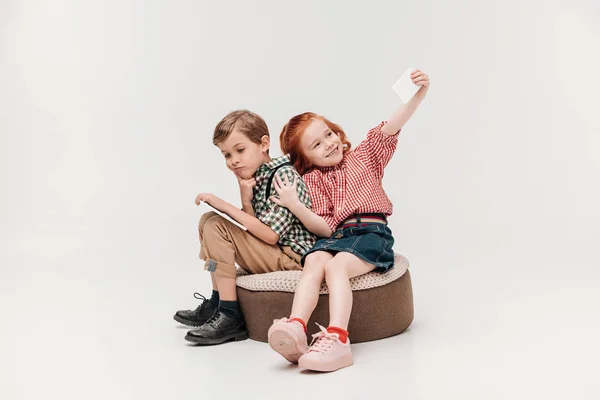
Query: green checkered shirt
x,y
289,228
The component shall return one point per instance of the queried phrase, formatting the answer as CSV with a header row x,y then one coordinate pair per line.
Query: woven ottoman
x,y
382,307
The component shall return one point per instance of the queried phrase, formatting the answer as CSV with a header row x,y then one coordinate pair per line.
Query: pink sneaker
x,y
288,339
327,353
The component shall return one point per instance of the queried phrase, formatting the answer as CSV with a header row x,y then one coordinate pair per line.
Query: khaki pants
x,y
222,244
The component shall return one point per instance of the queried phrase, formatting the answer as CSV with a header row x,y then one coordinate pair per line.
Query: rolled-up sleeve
x,y
321,202
377,149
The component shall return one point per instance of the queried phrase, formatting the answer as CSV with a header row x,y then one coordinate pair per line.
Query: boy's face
x,y
243,156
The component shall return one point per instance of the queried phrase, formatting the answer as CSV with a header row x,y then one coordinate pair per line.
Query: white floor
x,y
95,322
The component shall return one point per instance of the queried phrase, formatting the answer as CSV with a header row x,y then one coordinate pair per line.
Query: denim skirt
x,y
370,242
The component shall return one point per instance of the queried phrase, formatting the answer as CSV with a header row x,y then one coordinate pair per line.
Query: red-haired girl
x,y
350,210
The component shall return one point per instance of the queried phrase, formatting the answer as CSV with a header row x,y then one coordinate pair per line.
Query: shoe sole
x,y
236,337
286,345
188,322
343,362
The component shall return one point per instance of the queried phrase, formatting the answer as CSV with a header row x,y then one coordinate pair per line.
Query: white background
x,y
106,118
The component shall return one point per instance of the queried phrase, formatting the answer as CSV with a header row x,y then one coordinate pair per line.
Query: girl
x,y
350,210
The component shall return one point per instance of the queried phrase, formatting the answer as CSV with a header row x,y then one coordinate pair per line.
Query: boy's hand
x,y
207,198
288,196
246,186
420,78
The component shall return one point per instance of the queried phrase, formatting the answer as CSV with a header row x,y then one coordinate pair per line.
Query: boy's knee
x,y
213,222
204,219
219,226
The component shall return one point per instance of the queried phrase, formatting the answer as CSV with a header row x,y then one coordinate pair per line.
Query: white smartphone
x,y
405,87
227,217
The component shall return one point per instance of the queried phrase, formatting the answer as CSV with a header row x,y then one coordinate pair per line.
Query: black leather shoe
x,y
220,328
198,316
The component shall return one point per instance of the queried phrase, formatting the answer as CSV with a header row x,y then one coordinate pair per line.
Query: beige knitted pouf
x,y
382,307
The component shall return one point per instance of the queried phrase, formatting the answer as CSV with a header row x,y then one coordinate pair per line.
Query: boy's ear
x,y
265,143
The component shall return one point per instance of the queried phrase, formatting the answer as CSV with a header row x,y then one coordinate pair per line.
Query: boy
x,y
275,239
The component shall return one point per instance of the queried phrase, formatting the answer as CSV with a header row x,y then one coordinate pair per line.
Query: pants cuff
x,y
220,269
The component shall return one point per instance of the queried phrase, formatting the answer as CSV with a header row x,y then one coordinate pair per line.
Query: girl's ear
x,y
265,143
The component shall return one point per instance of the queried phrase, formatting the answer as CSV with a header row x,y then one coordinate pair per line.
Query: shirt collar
x,y
336,167
274,163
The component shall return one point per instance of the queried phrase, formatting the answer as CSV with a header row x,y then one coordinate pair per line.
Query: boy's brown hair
x,y
250,124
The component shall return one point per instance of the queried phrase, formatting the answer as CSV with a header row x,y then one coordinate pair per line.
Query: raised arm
x,y
403,114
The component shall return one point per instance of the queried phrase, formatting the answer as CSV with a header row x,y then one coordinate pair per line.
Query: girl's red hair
x,y
292,132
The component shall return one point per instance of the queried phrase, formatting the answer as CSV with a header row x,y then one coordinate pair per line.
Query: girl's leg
x,y
338,272
331,351
307,291
288,337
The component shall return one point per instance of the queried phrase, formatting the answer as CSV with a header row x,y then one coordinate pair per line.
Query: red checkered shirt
x,y
354,185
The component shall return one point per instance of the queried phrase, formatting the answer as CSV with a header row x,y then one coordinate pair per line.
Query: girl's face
x,y
320,145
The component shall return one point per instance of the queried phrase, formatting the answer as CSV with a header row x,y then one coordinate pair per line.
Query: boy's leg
x,y
213,279
224,245
201,225
205,217
203,312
